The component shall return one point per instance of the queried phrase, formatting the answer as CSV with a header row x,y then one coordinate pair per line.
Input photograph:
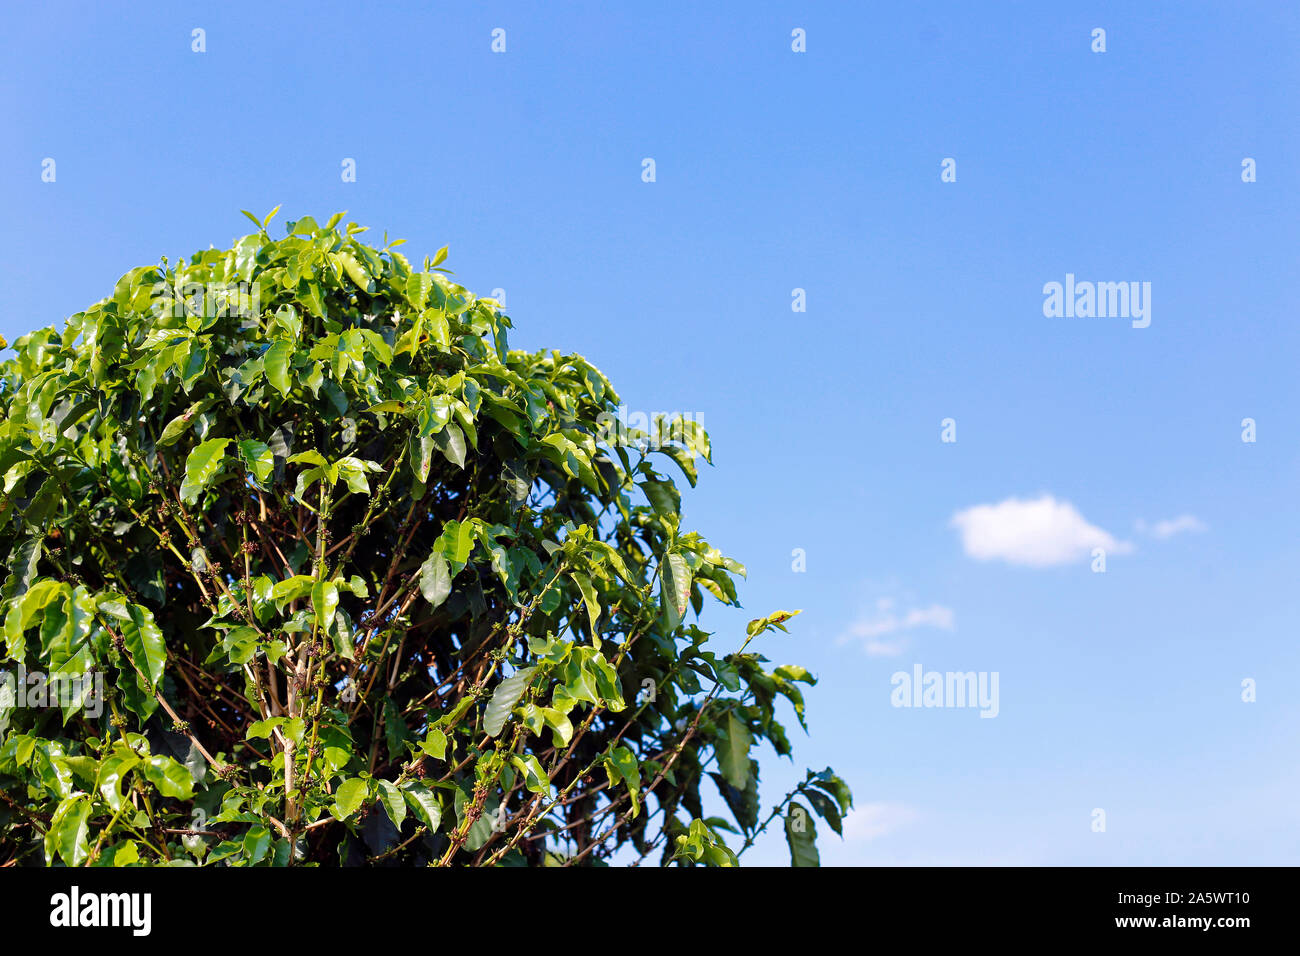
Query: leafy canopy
x,y
307,566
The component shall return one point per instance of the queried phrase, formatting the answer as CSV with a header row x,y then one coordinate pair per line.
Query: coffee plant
x,y
306,566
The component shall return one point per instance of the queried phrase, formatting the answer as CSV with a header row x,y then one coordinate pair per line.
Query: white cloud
x,y
874,820
1173,526
886,621
1039,533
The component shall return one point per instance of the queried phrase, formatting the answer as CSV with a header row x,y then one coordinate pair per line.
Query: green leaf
x,y
324,601
144,641
311,456
427,809
124,854
276,363
421,456
290,589
287,318
24,559
257,458
451,442
355,271
349,796
456,542
393,802
306,226
774,621
435,580
701,844
353,472
675,588
826,808
663,497
535,779
344,635
22,612
801,836
589,598
306,479
68,832
170,777
435,744
417,289
504,698
733,755
256,842
436,323
201,467
314,299
837,788
561,726
263,728
240,644
622,764
181,423
112,773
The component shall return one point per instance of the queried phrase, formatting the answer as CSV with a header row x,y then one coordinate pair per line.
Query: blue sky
x,y
778,170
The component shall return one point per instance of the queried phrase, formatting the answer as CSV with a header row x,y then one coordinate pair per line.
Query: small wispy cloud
x,y
1172,526
874,820
872,629
1039,532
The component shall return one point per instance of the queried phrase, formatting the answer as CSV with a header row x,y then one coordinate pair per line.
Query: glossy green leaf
x,y
354,270
257,458
349,796
504,698
324,601
257,841
69,831
276,363
675,588
393,801
425,805
435,579
171,778
145,643
535,779
201,467
179,425
589,598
